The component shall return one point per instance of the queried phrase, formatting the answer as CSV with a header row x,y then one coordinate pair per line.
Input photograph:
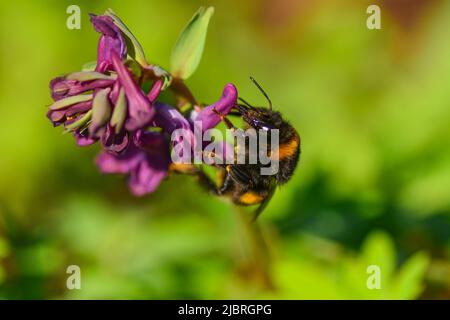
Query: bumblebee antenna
x,y
245,102
262,91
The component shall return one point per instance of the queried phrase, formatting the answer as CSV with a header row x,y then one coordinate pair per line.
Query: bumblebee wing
x,y
265,202
239,174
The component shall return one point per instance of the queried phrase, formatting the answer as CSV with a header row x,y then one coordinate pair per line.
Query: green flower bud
x,y
101,110
65,102
188,50
120,112
89,76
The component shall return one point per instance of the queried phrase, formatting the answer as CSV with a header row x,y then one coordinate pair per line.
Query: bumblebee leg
x,y
225,184
206,182
260,209
265,202
227,121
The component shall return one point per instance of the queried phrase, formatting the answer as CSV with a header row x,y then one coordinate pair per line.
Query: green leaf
x,y
135,49
188,50
409,281
378,249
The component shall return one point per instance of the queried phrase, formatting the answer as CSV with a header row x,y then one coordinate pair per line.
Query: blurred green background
x,y
372,187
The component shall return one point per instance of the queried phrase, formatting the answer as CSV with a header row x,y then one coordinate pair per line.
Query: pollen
x,y
250,198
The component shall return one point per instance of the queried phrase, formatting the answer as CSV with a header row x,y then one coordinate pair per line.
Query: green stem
x,y
256,247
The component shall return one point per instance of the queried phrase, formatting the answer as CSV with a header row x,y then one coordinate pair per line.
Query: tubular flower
x,y
119,103
107,103
110,41
146,162
140,109
209,116
79,82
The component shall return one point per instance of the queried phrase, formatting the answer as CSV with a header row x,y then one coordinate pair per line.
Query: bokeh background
x,y
372,187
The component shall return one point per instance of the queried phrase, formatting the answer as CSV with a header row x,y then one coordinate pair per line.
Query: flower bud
x,y
188,50
101,111
120,112
65,102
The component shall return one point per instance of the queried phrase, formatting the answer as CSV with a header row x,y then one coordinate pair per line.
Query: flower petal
x,y
110,41
153,143
140,109
208,118
78,108
83,140
169,118
148,175
61,87
155,90
57,117
114,142
123,163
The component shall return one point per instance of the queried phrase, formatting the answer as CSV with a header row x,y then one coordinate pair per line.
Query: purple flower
x,y
110,106
145,161
72,106
170,119
140,109
114,142
72,111
78,82
110,41
115,104
82,138
60,116
208,118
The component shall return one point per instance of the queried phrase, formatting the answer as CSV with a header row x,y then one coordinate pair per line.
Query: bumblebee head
x,y
260,118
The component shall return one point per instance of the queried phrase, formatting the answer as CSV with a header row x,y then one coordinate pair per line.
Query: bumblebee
x,y
244,183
